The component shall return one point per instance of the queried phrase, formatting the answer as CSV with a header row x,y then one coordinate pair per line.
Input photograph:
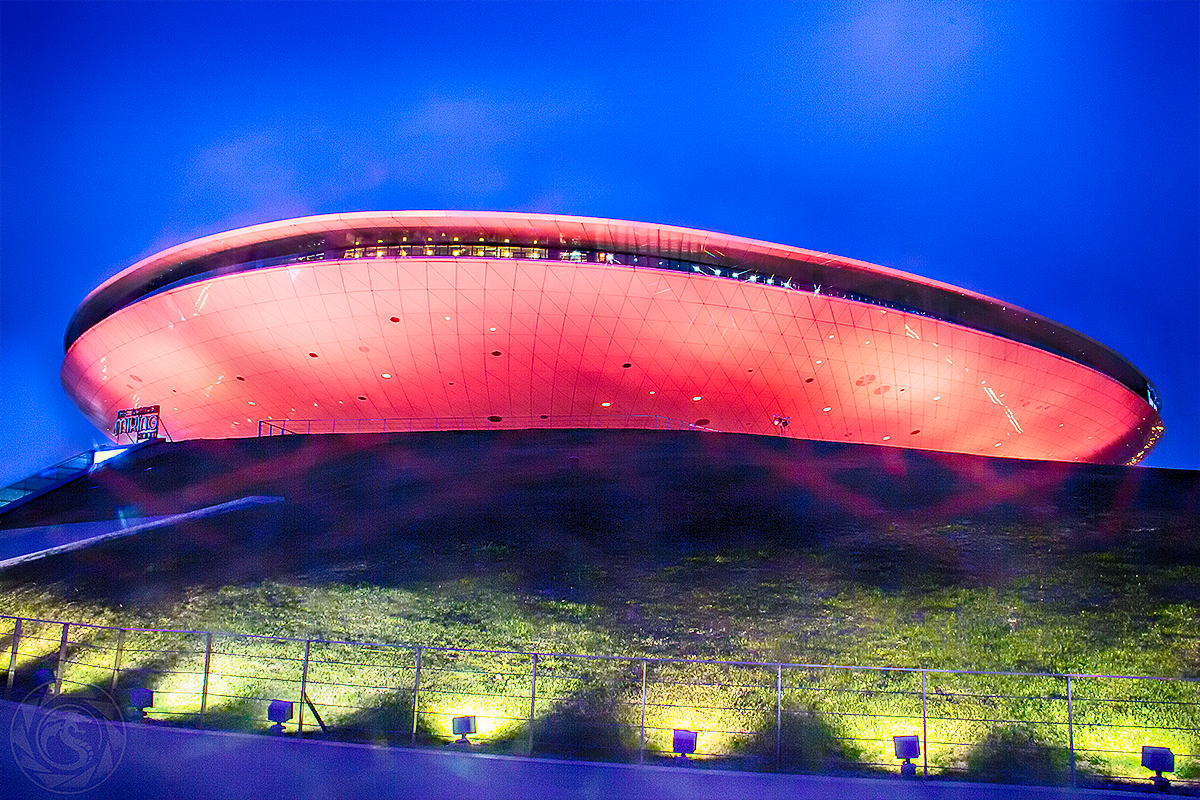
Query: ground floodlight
x,y
683,742
141,699
463,727
908,748
44,681
1160,760
279,712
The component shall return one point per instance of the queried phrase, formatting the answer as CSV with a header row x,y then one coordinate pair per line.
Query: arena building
x,y
420,320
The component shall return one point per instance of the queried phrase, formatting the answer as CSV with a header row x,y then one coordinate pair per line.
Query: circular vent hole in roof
x,y
626,365
312,355
395,319
362,397
495,352
494,418
545,416
239,377
703,421
914,433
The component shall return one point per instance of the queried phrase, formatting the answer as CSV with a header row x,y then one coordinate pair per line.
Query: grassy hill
x,y
644,542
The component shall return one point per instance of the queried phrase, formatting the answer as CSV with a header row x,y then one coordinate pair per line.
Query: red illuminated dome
x,y
423,319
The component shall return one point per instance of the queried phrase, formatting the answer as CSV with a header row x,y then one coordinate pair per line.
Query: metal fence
x,y
279,427
1021,727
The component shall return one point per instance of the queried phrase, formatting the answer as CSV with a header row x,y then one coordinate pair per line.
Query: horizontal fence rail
x,y
280,427
1084,729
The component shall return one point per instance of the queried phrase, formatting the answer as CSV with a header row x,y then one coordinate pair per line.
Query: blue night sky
x,y
1047,154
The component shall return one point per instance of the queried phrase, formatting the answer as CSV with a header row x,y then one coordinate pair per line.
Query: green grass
x,y
821,619
812,622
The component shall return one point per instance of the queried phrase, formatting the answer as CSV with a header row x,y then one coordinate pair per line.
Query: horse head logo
x,y
68,741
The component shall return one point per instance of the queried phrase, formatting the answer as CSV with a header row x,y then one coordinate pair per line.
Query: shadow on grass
x,y
30,678
809,744
587,726
390,724
1015,754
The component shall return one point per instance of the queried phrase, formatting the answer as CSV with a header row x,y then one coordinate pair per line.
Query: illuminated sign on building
x,y
139,424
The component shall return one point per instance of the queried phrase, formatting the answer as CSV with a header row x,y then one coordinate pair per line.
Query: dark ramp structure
x,y
401,508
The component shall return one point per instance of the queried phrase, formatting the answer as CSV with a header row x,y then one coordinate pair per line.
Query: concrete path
x,y
160,762
18,545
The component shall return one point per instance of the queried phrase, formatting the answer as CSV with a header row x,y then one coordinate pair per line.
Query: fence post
x,y
62,657
416,697
778,717
303,688
924,731
1071,729
12,660
112,689
532,700
204,687
642,745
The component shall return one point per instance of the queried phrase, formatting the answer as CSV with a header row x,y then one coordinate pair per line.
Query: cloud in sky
x,y
471,148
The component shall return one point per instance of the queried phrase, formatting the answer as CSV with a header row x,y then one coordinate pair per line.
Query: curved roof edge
x,y
859,278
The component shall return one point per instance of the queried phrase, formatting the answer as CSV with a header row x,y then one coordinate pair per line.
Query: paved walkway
x,y
161,762
18,545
